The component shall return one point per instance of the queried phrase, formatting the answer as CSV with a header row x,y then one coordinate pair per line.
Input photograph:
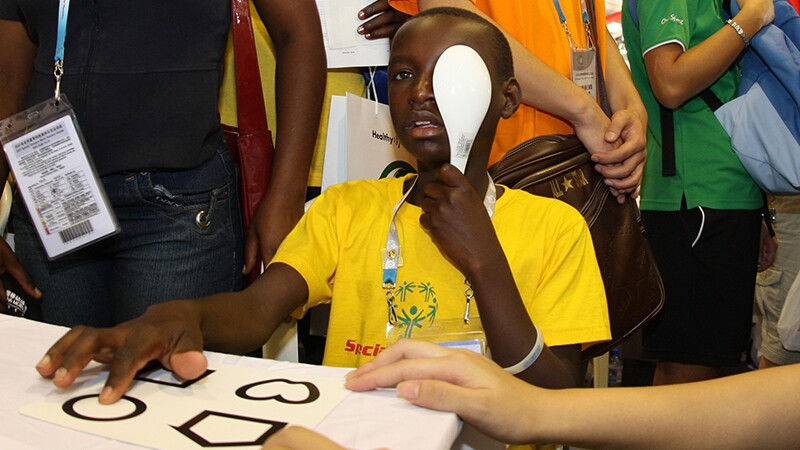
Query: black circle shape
x,y
69,409
313,392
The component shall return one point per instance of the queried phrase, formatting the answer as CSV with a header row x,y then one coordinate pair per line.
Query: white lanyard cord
x,y
392,259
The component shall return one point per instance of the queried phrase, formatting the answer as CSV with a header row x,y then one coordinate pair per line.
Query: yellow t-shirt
x,y
339,82
535,24
336,247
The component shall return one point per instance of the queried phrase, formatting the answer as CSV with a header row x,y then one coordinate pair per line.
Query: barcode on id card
x,y
76,231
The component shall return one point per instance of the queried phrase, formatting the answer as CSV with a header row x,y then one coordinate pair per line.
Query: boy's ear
x,y
512,94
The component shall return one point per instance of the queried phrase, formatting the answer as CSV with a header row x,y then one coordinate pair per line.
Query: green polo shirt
x,y
708,172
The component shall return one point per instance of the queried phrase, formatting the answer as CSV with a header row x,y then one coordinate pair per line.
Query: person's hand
x,y
274,218
769,248
454,380
623,166
299,438
169,332
453,214
593,130
11,265
382,21
762,10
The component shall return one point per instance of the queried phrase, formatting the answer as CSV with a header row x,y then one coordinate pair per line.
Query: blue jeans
x,y
181,238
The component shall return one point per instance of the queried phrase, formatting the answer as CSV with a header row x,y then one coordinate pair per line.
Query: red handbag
x,y
251,143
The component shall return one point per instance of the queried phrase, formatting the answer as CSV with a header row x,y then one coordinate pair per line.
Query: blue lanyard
x,y
63,11
61,36
563,19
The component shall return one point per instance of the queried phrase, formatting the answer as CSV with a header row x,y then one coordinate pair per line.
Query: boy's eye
x,y
402,75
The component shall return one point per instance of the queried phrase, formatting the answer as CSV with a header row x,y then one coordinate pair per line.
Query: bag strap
x,y
250,110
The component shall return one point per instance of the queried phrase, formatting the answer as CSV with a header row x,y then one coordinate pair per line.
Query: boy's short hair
x,y
504,61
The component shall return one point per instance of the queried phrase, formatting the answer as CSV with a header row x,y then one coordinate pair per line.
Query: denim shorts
x,y
181,237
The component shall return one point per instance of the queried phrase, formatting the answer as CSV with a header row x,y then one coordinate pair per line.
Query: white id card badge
x,y
584,69
452,333
56,177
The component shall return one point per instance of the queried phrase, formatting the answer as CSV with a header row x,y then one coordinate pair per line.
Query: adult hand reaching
x,y
445,379
382,21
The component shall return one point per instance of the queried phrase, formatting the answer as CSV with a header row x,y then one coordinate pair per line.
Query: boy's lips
x,y
422,126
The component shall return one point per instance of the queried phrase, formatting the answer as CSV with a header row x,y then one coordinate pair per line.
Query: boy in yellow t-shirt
x,y
530,265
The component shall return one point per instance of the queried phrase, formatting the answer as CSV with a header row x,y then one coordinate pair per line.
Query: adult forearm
x,y
622,93
16,66
299,87
677,76
683,75
757,409
548,90
295,30
542,86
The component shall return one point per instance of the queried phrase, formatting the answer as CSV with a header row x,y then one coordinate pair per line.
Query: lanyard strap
x,y
584,15
587,27
61,36
391,255
63,11
392,259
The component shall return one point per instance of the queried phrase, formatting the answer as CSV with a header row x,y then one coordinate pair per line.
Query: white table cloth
x,y
362,421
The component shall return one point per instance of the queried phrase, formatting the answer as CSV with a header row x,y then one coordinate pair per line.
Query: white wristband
x,y
531,358
739,31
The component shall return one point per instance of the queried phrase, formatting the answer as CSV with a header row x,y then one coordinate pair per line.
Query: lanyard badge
x,y
583,60
53,171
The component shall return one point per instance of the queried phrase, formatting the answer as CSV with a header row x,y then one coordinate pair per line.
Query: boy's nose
x,y
423,91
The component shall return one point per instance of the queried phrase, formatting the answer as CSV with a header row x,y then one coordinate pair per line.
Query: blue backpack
x,y
764,118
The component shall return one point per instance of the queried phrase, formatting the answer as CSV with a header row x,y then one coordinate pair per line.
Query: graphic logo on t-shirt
x,y
417,306
672,18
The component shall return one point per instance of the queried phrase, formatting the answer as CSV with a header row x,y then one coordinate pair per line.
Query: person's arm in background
x,y
548,90
751,410
16,65
769,248
769,240
295,30
677,75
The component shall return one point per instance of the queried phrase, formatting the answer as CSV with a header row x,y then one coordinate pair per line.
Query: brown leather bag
x,y
251,143
558,166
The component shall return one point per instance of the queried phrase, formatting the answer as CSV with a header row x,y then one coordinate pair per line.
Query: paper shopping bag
x,y
362,143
